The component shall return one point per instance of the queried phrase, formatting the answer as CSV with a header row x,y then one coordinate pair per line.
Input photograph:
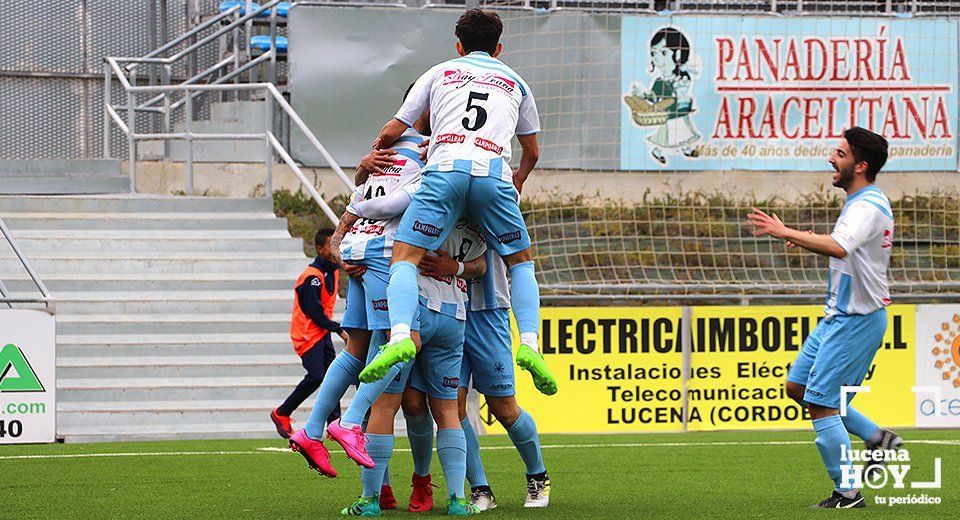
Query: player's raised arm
x,y
771,225
415,102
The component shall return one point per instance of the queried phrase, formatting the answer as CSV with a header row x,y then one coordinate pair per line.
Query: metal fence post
x,y
188,125
106,112
131,140
268,147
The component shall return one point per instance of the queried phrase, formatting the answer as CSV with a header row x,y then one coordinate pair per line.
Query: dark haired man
x,y
841,348
310,328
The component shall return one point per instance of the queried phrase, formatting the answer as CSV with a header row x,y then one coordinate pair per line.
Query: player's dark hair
x,y
479,30
675,41
322,235
868,147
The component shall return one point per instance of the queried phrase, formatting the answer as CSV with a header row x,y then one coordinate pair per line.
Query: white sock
x,y
530,339
399,332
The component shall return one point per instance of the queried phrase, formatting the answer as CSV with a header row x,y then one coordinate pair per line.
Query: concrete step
x,y
152,234
69,346
62,185
170,243
147,221
21,283
177,389
173,302
60,166
238,366
133,204
171,323
170,264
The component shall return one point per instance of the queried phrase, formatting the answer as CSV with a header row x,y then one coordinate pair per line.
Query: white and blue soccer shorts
x,y
838,353
488,353
444,196
369,297
436,370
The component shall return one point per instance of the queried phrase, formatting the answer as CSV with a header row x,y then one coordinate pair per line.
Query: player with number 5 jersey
x,y
476,105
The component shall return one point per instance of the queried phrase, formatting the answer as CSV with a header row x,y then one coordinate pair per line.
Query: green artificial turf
x,y
690,476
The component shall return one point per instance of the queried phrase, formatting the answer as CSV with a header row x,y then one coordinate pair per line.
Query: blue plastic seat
x,y
283,8
262,42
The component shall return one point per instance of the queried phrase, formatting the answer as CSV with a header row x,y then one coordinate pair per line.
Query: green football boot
x,y
533,362
364,506
461,507
390,354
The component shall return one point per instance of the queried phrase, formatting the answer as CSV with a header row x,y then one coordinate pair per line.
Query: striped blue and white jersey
x,y
373,238
857,283
492,290
448,294
477,104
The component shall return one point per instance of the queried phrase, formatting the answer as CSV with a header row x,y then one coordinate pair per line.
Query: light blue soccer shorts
x,y
355,313
436,371
444,196
838,353
372,294
488,353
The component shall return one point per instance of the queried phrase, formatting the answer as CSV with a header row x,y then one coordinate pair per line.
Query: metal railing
x,y
6,297
271,98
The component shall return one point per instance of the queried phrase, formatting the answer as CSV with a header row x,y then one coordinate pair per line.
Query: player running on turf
x,y
477,104
366,229
841,348
442,313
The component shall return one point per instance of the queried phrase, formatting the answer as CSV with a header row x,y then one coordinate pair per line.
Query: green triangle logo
x,y
16,374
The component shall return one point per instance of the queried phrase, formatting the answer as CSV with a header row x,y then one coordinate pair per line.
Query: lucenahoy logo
x,y
16,374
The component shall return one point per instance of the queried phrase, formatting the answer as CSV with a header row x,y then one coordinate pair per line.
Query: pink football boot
x,y
318,458
353,441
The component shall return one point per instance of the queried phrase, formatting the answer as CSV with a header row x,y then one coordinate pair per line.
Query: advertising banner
x,y
938,366
622,370
759,93
28,385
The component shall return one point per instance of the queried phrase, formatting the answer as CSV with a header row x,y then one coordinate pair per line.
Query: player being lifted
x,y
841,348
477,104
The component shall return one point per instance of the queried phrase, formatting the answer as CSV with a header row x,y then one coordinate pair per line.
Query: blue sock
x,y
525,298
367,393
861,426
831,435
342,373
402,294
420,433
380,448
452,452
523,433
475,473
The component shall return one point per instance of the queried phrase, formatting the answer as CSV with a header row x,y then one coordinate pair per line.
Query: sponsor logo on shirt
x,y
380,305
457,77
373,229
428,229
488,145
451,138
506,238
451,382
507,85
887,240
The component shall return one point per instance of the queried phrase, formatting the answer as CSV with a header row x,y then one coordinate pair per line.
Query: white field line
x,y
265,450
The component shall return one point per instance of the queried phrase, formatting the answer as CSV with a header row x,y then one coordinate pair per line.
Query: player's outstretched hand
x,y
377,160
440,265
764,224
354,271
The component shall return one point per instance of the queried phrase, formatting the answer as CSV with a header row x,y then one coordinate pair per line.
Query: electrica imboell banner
x,y
623,369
